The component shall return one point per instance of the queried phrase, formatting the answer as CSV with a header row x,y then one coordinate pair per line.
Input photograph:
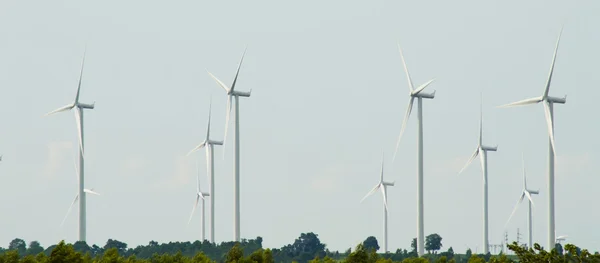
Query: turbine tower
x,y
79,107
382,185
482,151
232,93
88,191
525,193
210,166
199,195
548,103
419,95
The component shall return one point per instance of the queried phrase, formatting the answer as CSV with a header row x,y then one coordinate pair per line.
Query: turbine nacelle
x,y
489,148
389,183
211,142
240,93
562,100
424,95
86,106
203,195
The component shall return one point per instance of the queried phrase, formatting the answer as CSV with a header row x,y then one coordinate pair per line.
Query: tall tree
x,y
433,243
371,243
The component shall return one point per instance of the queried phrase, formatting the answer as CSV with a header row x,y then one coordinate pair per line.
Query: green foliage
x,y
371,243
305,249
433,243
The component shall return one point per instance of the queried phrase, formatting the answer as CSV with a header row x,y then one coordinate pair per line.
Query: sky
x,y
328,97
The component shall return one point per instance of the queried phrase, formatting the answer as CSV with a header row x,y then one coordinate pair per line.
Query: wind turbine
x,y
210,163
382,185
419,95
526,192
232,93
548,103
78,108
87,191
199,195
561,238
482,150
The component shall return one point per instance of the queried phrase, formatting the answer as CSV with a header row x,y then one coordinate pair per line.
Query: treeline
x,y
305,249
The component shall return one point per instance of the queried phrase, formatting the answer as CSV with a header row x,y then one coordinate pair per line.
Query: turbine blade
x,y
69,211
80,78
529,197
200,146
194,209
550,126
480,118
524,174
383,192
422,87
76,169
481,160
381,176
514,210
219,82
547,88
522,102
209,115
404,122
470,160
91,191
410,83
63,108
197,176
371,192
79,128
238,70
229,102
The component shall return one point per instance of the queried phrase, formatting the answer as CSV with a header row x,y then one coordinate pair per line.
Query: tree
x,y
413,245
234,254
18,245
371,243
362,255
34,248
268,256
469,253
120,246
433,243
64,253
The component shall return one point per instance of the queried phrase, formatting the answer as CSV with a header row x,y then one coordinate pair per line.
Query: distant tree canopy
x,y
306,248
371,243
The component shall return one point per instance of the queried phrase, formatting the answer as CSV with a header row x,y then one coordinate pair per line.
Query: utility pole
x,y
504,246
518,237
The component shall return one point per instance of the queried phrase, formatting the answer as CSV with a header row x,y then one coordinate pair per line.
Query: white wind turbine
x,y
548,103
210,162
232,93
482,150
526,192
199,195
382,185
78,108
419,95
88,191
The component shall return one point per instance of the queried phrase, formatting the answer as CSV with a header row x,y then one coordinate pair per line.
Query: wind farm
x,y
285,170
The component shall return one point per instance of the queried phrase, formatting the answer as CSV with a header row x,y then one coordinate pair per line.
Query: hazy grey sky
x,y
329,95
